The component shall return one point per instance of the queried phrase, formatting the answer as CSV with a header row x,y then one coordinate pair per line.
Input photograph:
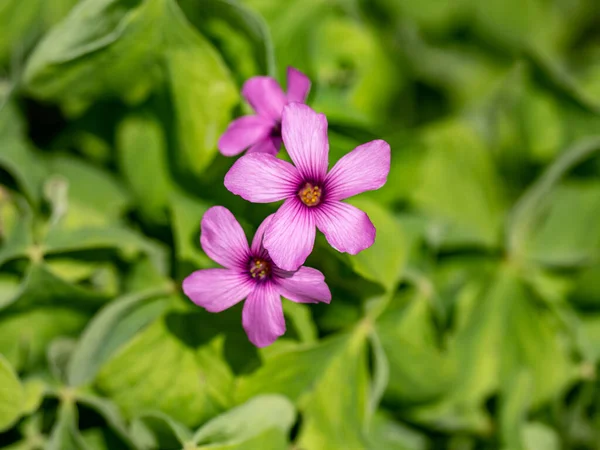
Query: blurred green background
x,y
473,323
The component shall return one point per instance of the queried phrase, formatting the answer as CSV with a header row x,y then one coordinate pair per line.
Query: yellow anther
x,y
260,268
310,194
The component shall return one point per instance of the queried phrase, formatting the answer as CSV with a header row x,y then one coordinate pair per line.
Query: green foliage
x,y
472,323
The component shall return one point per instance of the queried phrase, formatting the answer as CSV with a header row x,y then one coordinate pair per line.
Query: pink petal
x,y
307,285
290,236
298,85
223,239
265,96
266,145
257,247
305,136
243,133
347,229
262,178
363,169
217,289
262,316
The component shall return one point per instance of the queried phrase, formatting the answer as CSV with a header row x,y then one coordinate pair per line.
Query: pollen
x,y
310,194
259,268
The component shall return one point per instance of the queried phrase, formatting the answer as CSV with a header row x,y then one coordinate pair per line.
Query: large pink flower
x,y
313,197
249,273
262,133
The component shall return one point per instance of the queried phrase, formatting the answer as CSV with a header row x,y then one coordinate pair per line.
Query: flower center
x,y
310,194
259,268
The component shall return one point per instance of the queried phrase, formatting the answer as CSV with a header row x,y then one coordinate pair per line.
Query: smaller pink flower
x,y
262,133
249,273
313,195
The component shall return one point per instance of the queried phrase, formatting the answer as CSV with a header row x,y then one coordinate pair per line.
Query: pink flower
x,y
312,195
249,274
262,133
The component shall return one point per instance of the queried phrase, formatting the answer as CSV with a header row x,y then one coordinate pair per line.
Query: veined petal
x,y
265,96
268,145
290,236
304,133
262,178
223,239
217,289
243,133
262,316
347,229
257,247
307,285
298,85
363,169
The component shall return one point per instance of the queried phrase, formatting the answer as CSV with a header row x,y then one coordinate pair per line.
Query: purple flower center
x,y
310,194
260,269
276,131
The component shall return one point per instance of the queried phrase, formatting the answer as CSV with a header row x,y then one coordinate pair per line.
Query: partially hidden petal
x,y
304,133
262,316
243,133
290,236
262,178
265,96
257,247
363,169
217,289
306,285
347,228
268,145
223,239
298,85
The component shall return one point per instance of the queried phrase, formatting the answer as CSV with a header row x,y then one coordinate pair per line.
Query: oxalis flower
x,y
249,273
262,133
313,197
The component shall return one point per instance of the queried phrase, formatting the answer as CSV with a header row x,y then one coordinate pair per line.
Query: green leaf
x,y
387,434
109,412
95,32
65,435
129,243
246,426
111,328
42,288
59,352
187,213
94,197
25,334
122,48
202,90
301,319
459,188
176,357
158,430
329,381
537,436
34,394
142,151
17,157
385,260
411,329
357,79
12,395
526,212
515,403
226,19
291,42
572,211
16,227
506,332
